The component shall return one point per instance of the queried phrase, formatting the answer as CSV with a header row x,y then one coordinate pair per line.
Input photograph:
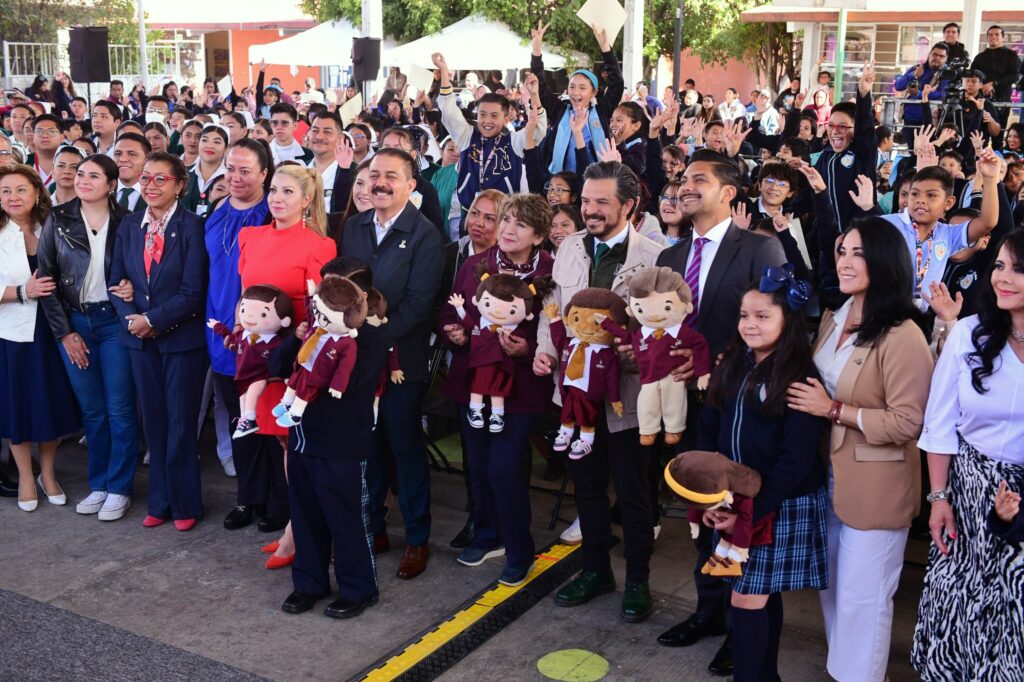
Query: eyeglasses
x,y
6,152
839,127
46,132
557,191
781,184
669,199
158,180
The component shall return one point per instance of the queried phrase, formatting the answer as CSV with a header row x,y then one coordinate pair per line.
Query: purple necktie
x,y
693,277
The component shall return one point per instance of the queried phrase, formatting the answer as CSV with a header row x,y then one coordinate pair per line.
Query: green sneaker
x,y
636,602
585,587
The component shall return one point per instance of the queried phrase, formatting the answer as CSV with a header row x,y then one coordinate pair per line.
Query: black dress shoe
x,y
239,517
299,602
346,608
691,631
465,537
269,524
721,664
8,488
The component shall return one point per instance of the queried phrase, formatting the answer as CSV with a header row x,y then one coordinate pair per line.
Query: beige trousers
x,y
662,400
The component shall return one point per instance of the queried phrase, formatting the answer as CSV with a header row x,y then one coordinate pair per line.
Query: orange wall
x,y
712,79
245,75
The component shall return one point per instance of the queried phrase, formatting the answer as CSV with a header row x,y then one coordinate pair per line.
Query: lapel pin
x,y
402,245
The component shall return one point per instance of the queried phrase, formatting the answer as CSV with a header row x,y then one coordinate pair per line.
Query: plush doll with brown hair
x,y
589,364
503,303
328,354
263,311
660,300
710,480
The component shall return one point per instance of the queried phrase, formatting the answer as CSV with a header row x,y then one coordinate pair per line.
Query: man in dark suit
x,y
718,261
405,253
423,196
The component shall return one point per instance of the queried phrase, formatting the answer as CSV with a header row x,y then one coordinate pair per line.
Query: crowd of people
x,y
862,307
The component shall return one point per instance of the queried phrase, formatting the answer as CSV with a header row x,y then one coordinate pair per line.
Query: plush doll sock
x,y
497,410
770,667
565,431
476,407
250,415
749,640
587,437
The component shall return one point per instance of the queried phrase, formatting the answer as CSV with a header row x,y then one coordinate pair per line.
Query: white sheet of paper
x,y
606,14
419,78
350,109
224,86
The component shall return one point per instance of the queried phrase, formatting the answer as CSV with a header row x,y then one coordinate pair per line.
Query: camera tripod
x,y
952,112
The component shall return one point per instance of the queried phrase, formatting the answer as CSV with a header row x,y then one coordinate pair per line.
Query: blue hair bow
x,y
798,291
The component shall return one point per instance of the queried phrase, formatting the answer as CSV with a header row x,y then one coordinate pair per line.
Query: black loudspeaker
x,y
90,58
365,59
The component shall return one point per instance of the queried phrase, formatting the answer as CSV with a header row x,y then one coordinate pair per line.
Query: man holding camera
x,y
928,72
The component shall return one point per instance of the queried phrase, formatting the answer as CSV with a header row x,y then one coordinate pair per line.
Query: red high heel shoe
x,y
270,548
184,524
153,521
274,561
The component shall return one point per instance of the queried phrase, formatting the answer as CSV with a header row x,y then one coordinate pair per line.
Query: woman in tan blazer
x,y
876,369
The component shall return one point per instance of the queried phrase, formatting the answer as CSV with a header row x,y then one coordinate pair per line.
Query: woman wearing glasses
x,y
75,250
162,252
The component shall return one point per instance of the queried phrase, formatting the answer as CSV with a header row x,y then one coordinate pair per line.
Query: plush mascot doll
x,y
503,303
660,300
376,316
263,311
589,364
328,353
710,480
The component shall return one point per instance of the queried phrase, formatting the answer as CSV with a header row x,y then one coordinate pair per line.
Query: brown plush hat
x,y
342,295
707,478
376,304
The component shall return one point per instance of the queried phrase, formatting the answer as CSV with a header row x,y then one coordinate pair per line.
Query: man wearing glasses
x,y
48,136
284,146
925,73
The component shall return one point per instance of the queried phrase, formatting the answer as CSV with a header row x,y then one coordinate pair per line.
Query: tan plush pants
x,y
662,400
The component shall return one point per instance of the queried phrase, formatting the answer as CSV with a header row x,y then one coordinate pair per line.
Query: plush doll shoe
x,y
647,439
244,428
476,419
580,449
726,568
673,438
496,424
279,409
562,442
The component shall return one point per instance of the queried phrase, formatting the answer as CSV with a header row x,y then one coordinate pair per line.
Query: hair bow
x,y
798,291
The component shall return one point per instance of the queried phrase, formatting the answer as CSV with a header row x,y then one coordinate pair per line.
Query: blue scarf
x,y
593,134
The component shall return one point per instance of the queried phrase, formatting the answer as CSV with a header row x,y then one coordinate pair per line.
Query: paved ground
x,y
87,600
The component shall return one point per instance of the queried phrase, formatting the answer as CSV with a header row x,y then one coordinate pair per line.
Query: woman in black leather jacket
x,y
75,248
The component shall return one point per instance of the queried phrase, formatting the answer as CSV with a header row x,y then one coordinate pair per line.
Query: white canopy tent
x,y
329,44
474,43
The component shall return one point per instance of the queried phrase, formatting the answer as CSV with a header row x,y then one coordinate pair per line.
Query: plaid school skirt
x,y
797,559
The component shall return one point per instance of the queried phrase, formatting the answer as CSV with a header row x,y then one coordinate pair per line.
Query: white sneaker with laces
x,y
115,507
496,423
476,418
580,449
572,535
562,442
93,503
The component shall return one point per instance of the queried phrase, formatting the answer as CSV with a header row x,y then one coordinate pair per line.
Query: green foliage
x,y
711,28
37,21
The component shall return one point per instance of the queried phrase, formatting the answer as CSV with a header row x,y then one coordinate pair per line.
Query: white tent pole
x,y
633,44
970,30
143,61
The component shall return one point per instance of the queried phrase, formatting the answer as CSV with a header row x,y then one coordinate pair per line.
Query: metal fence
x,y
180,60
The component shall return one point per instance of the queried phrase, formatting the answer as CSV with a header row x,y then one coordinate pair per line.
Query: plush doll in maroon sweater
x,y
263,311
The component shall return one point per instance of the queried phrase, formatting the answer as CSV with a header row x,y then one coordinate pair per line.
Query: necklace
x,y
1017,335
242,222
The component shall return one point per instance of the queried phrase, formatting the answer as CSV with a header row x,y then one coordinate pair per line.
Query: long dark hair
x,y
350,207
889,300
994,324
789,362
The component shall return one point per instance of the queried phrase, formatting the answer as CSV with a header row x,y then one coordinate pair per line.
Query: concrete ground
x,y
117,601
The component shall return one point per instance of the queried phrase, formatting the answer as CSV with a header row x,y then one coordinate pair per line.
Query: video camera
x,y
954,73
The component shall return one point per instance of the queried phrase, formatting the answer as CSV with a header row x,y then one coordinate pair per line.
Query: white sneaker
x,y
572,535
229,467
562,441
115,507
93,503
145,458
580,449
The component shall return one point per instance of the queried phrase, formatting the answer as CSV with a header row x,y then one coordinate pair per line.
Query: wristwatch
x,y
937,495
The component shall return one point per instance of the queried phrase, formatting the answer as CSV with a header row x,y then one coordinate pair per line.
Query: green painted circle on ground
x,y
573,665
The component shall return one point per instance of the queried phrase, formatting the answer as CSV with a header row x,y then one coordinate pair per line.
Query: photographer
x,y
928,72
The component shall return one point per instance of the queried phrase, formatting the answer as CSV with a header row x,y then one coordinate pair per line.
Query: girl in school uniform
x,y
747,419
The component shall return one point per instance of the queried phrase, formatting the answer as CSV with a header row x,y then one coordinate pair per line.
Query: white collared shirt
x,y
989,421
707,255
832,360
147,218
382,228
293,152
583,383
485,322
94,284
612,242
672,331
133,198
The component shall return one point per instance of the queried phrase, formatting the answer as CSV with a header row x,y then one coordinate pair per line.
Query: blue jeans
x,y
107,395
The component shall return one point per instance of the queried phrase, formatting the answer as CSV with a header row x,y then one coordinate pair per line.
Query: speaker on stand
x,y
89,55
365,63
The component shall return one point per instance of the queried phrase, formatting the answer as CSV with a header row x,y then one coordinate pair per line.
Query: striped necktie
x,y
693,276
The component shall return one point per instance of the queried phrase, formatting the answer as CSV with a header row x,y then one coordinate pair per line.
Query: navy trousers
x,y
621,456
399,427
259,460
499,474
169,388
329,500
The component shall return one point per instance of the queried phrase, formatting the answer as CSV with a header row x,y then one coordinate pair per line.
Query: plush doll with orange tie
x,y
589,364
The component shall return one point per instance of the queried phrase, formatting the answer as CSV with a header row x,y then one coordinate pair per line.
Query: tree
x,y
37,21
711,28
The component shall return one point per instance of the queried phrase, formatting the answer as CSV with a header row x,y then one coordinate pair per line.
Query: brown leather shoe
x,y
413,562
381,543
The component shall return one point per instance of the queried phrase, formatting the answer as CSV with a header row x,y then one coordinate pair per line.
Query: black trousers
x,y
329,502
713,593
259,460
621,456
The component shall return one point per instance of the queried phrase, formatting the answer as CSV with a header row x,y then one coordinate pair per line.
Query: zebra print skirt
x,y
970,622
